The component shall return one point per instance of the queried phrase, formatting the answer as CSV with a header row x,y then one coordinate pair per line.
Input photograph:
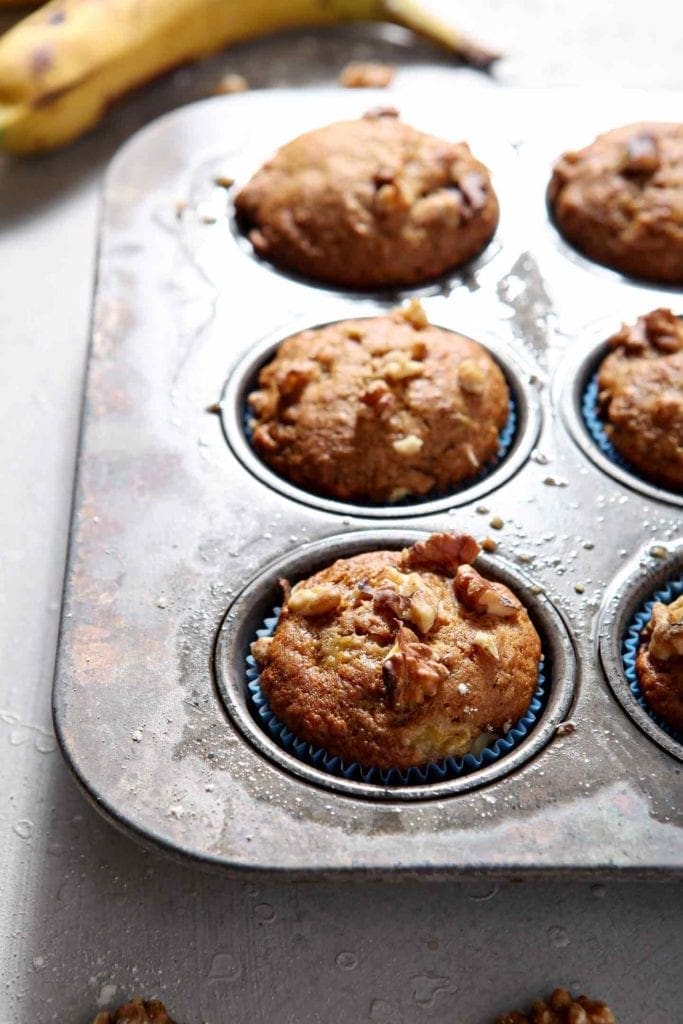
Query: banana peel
x,y
63,65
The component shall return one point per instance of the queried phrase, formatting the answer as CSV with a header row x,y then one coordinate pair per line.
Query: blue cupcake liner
x,y
435,771
505,441
631,643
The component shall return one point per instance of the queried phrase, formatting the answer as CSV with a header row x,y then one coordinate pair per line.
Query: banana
x,y
63,65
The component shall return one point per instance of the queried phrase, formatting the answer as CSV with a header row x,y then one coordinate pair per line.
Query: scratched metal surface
x,y
169,526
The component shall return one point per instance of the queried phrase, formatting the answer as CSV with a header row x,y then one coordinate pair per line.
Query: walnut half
x,y
483,596
442,552
409,674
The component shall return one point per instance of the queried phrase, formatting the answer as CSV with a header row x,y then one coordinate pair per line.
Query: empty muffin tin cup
x,y
254,613
516,441
577,396
626,610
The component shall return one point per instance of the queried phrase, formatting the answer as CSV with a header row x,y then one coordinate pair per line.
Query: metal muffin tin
x,y
178,536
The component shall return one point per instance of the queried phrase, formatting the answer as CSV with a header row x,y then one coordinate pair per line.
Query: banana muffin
x,y
562,1008
370,203
660,662
398,658
640,396
379,409
137,1011
620,200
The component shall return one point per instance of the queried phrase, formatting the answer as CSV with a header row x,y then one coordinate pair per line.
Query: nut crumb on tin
x,y
224,181
489,544
366,75
562,1008
565,728
230,84
580,588
496,523
658,551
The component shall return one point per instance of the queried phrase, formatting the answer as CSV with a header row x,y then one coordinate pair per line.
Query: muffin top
x,y
370,203
399,658
379,409
137,1011
620,200
640,396
659,663
562,1008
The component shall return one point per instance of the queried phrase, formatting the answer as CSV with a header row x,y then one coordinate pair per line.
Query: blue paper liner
x,y
631,643
435,771
505,441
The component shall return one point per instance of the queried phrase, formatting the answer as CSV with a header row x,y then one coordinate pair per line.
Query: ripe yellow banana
x,y
61,66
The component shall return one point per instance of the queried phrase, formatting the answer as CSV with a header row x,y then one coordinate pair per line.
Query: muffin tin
x,y
178,537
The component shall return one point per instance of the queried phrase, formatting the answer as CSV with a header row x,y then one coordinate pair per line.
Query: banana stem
x,y
411,14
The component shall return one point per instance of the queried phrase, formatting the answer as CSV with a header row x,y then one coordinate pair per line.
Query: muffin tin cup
x,y
255,604
517,438
576,395
625,611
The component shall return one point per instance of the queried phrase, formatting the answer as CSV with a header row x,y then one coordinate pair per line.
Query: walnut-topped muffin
x,y
137,1011
399,658
640,396
620,200
659,663
370,203
379,409
562,1008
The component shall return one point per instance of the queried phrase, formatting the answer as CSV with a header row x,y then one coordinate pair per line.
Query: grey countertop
x,y
87,917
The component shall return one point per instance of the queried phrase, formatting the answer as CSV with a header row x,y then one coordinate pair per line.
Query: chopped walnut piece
x,y
642,155
485,642
390,198
295,378
562,1008
259,648
137,1011
379,397
471,377
409,445
409,673
314,600
442,552
483,596
422,612
472,184
660,329
419,608
666,628
399,366
414,313
366,75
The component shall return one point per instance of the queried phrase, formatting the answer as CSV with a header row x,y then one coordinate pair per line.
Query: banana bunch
x,y
63,65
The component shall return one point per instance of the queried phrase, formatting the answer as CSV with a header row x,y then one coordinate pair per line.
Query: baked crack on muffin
x,y
370,203
379,409
620,200
394,659
640,396
659,663
137,1011
562,1008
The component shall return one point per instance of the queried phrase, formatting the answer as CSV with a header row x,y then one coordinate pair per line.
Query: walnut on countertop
x,y
562,1008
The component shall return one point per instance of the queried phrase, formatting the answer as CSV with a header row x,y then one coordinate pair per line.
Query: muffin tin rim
x,y
570,379
244,614
520,377
630,588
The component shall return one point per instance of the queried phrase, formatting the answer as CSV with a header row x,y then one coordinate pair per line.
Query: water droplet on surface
x,y
426,988
382,1012
346,961
224,967
558,937
599,891
23,828
264,912
482,891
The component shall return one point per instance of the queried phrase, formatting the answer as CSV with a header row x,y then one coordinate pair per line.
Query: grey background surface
x,y
87,917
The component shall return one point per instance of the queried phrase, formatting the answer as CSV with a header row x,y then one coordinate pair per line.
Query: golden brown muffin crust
x,y
562,1008
640,396
659,663
620,200
137,1011
398,658
370,203
379,409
